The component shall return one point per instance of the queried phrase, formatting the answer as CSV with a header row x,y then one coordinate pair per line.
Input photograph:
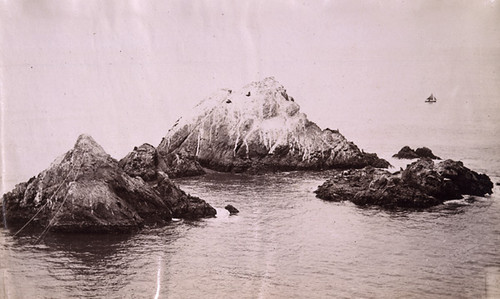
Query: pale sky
x,y
124,71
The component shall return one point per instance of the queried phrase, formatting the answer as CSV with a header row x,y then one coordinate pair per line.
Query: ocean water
x,y
285,242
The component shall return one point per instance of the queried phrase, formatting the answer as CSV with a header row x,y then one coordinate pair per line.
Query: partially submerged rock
x,y
85,190
425,152
406,153
256,129
421,185
232,210
422,152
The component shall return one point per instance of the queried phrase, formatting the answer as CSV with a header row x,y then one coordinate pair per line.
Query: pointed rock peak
x,y
269,83
87,144
269,80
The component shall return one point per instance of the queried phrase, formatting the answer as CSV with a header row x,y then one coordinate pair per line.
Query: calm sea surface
x,y
285,242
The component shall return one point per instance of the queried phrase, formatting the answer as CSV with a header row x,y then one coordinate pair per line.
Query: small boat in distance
x,y
431,99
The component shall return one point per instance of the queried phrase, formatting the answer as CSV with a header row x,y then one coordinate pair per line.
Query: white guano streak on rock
x,y
246,147
200,133
237,131
193,122
236,143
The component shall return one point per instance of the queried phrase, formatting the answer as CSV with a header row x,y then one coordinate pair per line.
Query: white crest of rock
x,y
260,111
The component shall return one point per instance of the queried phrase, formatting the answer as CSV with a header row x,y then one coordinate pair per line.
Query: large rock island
x,y
257,128
86,190
421,185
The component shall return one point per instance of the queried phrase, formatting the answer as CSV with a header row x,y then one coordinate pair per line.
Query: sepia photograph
x,y
250,149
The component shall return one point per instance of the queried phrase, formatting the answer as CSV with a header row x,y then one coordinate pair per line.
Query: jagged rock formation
x,y
258,128
86,191
421,185
422,152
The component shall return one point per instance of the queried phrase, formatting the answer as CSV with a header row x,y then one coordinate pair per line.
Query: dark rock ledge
x,y
86,190
421,185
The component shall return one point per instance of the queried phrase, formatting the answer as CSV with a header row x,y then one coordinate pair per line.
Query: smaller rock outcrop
x,y
143,162
232,210
408,153
146,162
85,190
424,152
421,185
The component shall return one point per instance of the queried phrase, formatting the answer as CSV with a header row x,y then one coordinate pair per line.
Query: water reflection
x,y
86,265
